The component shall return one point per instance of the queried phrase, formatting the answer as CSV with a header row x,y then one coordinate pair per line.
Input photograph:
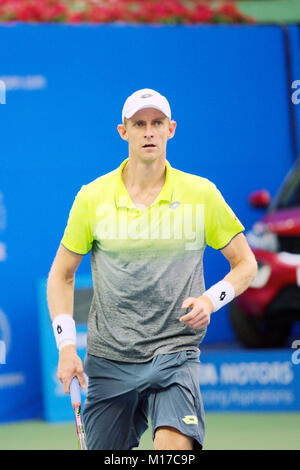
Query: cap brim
x,y
135,110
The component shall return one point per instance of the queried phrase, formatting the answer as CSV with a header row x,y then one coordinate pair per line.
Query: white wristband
x,y
64,330
220,294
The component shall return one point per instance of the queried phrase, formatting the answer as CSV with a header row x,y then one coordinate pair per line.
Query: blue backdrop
x,y
66,85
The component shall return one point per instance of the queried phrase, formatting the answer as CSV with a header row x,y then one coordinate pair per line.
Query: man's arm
x,y
60,296
243,264
243,270
60,286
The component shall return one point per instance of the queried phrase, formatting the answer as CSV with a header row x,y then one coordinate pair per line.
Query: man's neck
x,y
144,181
144,176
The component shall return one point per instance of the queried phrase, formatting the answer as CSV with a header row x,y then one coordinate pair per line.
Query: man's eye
x,y
138,124
158,122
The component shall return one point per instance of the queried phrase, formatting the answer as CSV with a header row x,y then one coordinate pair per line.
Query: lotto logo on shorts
x,y
190,419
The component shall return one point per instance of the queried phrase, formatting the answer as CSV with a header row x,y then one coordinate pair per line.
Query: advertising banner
x,y
251,380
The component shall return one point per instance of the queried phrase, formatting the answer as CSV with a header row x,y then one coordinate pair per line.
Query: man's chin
x,y
149,157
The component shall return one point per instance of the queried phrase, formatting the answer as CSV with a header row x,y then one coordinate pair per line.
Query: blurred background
x,y
231,72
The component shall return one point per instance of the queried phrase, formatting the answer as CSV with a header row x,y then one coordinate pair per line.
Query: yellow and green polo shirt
x,y
145,263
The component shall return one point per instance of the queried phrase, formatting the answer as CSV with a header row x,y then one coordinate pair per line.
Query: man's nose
x,y
148,131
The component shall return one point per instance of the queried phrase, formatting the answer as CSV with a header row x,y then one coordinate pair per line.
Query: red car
x,y
263,316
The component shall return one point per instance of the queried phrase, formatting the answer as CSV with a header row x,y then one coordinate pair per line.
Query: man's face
x,y
147,133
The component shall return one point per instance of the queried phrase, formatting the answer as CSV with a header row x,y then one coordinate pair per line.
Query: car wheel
x,y
258,332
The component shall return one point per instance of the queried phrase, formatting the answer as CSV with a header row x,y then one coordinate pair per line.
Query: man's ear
x,y
172,128
122,131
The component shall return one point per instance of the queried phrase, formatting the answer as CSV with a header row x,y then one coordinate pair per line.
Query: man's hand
x,y
69,366
199,316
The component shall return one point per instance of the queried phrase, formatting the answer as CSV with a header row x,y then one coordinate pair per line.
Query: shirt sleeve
x,y
221,224
78,234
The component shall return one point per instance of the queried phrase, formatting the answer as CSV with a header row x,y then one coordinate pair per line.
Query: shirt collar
x,y
122,197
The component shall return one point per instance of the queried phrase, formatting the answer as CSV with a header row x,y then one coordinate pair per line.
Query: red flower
x,y
132,11
55,12
30,11
97,15
230,11
201,14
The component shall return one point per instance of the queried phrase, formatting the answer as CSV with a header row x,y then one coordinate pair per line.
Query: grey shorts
x,y
121,396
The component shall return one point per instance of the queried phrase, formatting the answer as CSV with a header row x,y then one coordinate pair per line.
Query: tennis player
x,y
146,225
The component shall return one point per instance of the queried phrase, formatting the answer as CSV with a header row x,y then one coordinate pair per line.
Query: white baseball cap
x,y
145,98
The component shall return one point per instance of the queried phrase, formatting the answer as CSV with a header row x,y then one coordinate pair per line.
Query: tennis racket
x,y
76,403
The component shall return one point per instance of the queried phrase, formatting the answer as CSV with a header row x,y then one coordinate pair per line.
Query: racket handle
x,y
75,392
